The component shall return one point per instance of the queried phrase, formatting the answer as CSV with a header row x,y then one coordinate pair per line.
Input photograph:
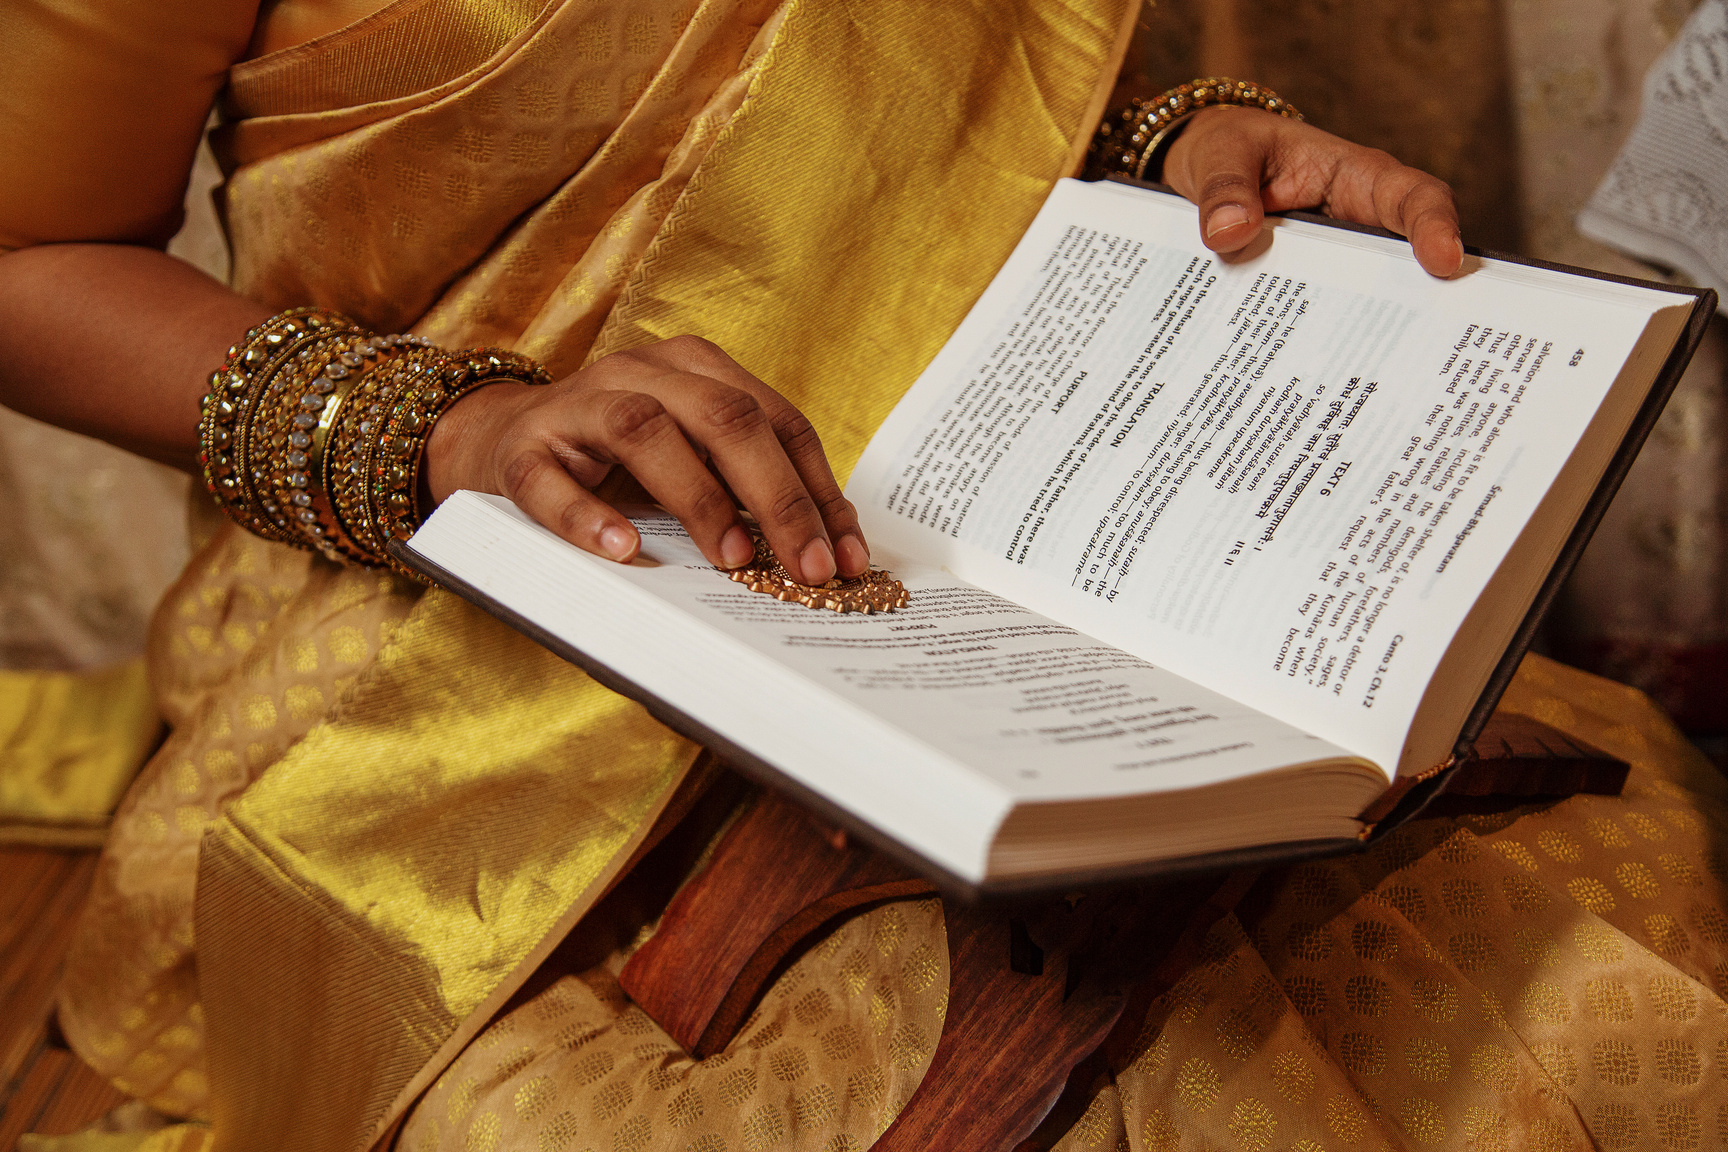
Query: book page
x,y
1286,475
934,723
1040,709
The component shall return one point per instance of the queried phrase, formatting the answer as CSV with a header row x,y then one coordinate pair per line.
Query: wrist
x,y
1135,141
314,432
456,449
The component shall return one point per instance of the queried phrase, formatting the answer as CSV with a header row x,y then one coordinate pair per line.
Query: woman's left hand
x,y
1239,163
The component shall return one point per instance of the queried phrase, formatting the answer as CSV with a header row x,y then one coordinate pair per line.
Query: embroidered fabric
x,y
1665,200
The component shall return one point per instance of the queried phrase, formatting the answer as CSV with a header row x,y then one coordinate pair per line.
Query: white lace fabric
x,y
1665,199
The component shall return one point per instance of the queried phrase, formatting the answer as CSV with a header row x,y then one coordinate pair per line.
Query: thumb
x,y
1221,172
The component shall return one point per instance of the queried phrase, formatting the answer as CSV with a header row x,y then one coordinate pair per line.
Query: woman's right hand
x,y
688,423
1237,164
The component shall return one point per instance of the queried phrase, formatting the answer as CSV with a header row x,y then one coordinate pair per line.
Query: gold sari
x,y
379,811
1545,976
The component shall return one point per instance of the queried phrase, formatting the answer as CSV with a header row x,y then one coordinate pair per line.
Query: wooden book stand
x,y
1042,998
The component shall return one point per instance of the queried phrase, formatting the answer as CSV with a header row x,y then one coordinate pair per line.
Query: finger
x,y
1435,235
1220,167
1419,207
804,448
539,485
635,430
797,437
732,425
1377,189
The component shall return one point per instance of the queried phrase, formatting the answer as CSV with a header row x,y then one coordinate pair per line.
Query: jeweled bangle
x,y
283,423
379,442
1133,141
267,403
264,425
392,469
340,467
313,432
224,406
235,464
305,486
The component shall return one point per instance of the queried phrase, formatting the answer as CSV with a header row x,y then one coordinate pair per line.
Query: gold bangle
x,y
306,487
1129,141
313,430
391,469
282,427
357,426
228,453
384,455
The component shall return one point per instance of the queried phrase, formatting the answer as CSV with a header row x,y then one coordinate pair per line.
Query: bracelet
x,y
391,465
228,408
304,486
313,431
311,483
1131,141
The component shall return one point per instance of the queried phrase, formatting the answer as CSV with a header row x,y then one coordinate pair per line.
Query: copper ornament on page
x,y
875,591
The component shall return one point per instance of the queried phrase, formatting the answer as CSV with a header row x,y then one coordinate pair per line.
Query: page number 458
x,y
1576,356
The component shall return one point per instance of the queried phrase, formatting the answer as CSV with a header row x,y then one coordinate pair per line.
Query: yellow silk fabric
x,y
70,743
1549,976
387,806
888,163
338,66
175,1138
374,893
836,1049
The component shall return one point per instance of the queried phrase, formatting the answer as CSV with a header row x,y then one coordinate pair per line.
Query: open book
x,y
1212,560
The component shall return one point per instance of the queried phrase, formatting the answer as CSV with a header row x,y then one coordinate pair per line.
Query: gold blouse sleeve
x,y
102,109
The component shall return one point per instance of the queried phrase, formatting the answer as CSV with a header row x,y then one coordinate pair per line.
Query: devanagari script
x,y
1286,475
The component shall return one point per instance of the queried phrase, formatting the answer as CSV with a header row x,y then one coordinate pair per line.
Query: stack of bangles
x,y
1133,141
314,429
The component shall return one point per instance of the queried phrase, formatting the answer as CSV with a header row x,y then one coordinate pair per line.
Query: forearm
x,y
115,342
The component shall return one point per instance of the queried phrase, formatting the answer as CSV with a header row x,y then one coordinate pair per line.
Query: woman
x,y
718,227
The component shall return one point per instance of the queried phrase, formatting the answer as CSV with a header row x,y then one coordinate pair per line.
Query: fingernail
x,y
617,542
736,547
854,558
817,562
1225,216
